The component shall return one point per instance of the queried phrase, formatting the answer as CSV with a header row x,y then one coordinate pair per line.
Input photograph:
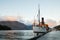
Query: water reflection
x,y
16,35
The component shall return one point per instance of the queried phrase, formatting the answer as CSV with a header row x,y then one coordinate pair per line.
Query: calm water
x,y
16,34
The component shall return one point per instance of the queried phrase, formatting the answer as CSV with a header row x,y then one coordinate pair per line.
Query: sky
x,y
24,8
50,9
28,9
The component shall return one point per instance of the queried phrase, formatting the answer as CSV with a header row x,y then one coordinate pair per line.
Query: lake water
x,y
16,34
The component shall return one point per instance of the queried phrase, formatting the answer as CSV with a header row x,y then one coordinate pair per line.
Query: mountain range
x,y
15,25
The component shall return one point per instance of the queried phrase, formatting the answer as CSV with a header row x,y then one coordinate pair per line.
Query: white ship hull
x,y
39,29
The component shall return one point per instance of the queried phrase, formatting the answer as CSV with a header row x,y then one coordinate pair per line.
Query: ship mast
x,y
39,14
34,21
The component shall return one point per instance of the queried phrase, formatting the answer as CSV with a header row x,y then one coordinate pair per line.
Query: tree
x,y
4,27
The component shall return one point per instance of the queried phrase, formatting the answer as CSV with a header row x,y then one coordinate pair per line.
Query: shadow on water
x,y
35,38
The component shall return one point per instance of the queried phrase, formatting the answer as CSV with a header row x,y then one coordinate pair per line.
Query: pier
x,y
54,35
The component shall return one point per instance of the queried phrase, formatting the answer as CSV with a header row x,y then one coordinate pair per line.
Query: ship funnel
x,y
42,20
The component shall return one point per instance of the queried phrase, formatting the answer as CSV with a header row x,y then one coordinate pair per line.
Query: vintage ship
x,y
41,27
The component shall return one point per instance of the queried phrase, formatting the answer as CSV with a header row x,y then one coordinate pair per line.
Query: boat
x,y
41,27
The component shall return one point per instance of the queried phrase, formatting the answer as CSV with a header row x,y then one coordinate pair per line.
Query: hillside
x,y
14,25
57,27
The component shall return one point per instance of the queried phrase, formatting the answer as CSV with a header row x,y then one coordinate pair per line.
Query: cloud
x,y
59,22
10,18
51,23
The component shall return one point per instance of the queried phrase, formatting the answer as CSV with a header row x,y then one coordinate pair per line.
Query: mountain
x,y
57,27
14,25
30,27
3,27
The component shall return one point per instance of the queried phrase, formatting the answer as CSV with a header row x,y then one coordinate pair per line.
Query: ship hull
x,y
39,29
